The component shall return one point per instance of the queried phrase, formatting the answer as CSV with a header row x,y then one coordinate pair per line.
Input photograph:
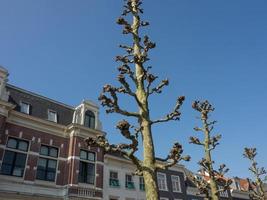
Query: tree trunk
x,y
149,171
151,185
213,185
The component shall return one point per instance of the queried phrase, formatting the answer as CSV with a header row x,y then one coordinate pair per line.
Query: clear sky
x,y
215,50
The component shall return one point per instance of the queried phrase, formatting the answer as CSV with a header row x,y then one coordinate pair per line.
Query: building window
x,y
87,167
14,161
47,163
25,108
129,184
162,181
223,193
52,116
176,186
113,179
141,183
89,119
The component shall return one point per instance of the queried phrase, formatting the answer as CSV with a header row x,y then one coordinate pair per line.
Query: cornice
x,y
35,123
82,131
31,122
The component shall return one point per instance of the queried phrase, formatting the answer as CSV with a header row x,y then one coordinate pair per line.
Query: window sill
x,y
115,187
164,190
10,178
45,183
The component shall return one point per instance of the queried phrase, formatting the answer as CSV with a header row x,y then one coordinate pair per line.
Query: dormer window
x,y
25,108
52,116
89,119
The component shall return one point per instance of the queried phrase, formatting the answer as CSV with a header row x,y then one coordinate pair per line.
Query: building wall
x,y
123,167
170,193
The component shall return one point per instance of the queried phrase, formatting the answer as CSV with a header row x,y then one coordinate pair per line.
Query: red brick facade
x,y
68,158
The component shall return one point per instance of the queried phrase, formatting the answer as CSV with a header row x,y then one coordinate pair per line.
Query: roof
x,y
39,105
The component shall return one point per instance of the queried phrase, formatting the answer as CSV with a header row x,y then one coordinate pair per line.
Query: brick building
x,y
42,149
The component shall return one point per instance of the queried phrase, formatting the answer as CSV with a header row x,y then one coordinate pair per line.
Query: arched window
x,y
89,119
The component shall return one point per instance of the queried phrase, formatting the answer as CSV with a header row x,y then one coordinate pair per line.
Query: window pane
x,y
91,156
6,169
52,116
52,165
12,143
89,119
82,172
42,163
24,107
129,178
40,174
92,122
90,173
51,176
18,171
90,179
44,150
83,155
9,157
53,152
90,169
20,160
113,175
23,146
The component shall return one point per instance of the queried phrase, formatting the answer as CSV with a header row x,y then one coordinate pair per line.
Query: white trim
x,y
165,181
17,151
55,115
179,183
28,107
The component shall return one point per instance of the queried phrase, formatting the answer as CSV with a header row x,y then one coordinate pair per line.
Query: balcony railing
x,y
85,192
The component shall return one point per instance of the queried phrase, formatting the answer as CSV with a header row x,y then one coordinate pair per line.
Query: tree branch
x,y
127,150
112,103
175,114
174,157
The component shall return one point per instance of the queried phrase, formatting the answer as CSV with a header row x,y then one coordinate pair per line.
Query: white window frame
x,y
28,107
113,171
52,111
88,161
179,184
224,193
164,198
49,158
165,182
16,151
126,181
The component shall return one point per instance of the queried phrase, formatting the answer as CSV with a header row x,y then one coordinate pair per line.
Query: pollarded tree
x,y
215,178
133,69
256,188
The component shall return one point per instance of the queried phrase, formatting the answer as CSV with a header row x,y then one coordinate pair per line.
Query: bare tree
x,y
133,69
210,188
256,189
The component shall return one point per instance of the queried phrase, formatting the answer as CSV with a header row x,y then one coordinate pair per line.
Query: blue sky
x,y
215,50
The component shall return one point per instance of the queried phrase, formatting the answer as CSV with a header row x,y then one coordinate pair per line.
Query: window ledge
x,y
45,183
10,178
177,191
